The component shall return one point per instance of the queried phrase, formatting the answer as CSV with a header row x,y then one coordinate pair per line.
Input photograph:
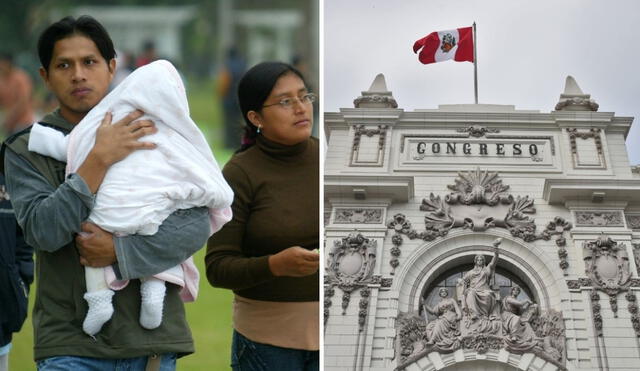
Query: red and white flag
x,y
444,45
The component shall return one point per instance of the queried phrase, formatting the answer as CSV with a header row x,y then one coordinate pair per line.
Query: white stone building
x,y
411,198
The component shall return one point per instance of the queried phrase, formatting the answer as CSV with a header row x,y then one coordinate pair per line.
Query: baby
x,y
138,193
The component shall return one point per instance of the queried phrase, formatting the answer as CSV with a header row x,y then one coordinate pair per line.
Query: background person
x,y
265,253
16,89
16,274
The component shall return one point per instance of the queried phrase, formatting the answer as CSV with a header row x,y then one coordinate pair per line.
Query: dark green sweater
x,y
276,206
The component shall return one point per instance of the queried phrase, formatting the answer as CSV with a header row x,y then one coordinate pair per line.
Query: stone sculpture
x,y
443,331
478,319
517,331
480,304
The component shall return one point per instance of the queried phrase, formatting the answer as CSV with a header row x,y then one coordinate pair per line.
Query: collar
x,y
281,150
55,119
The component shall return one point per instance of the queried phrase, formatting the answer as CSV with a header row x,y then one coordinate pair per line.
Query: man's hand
x,y
114,143
117,141
95,246
294,262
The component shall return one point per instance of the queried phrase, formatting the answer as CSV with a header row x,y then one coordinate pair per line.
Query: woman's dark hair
x,y
254,89
67,26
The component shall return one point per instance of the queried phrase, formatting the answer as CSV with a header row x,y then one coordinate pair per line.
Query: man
x,y
15,96
77,58
16,274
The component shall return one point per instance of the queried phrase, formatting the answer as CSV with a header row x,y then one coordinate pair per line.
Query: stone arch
x,y
530,262
463,360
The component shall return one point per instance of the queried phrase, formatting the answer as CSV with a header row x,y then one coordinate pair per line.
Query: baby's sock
x,y
152,291
100,310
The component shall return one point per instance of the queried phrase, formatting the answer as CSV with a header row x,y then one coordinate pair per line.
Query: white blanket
x,y
138,193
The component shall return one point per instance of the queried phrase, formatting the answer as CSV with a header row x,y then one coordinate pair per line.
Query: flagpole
x,y
475,63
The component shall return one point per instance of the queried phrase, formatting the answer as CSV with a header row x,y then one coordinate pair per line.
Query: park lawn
x,y
210,315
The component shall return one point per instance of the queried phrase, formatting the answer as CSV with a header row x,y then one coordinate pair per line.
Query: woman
x,y
518,333
443,331
266,253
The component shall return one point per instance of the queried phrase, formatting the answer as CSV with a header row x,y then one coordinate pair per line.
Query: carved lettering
x,y
451,148
421,147
435,148
516,149
466,148
483,149
533,149
500,148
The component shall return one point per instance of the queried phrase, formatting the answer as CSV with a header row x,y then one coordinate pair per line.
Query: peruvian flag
x,y
444,45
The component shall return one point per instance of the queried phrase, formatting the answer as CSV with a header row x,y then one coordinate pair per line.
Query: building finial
x,y
377,96
573,99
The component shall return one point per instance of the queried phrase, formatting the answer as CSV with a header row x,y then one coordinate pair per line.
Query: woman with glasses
x,y
268,253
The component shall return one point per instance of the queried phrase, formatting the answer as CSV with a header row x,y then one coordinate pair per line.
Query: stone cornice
x,y
398,188
562,190
513,120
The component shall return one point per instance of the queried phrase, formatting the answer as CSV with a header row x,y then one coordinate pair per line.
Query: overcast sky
x,y
525,51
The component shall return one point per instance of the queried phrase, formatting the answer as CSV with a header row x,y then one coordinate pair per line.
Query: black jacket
x,y
16,270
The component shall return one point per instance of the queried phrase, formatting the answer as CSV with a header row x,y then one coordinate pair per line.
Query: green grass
x,y
210,316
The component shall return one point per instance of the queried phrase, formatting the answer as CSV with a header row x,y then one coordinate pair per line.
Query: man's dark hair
x,y
68,26
4,56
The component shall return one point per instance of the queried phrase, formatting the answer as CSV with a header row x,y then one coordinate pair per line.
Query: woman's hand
x,y
294,262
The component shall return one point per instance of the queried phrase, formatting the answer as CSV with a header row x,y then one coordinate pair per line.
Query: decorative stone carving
x,y
443,333
357,216
633,221
359,131
328,294
477,187
365,293
378,96
573,99
477,131
480,304
636,256
486,322
550,328
580,282
378,99
400,224
595,309
592,133
350,266
633,310
479,201
386,282
599,218
607,265
410,337
516,314
573,284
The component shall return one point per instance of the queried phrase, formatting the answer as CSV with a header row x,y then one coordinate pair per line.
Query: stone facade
x,y
480,237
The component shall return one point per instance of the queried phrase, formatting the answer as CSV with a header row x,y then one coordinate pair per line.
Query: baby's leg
x,y
152,291
98,296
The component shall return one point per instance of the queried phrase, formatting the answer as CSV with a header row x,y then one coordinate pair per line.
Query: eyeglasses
x,y
289,102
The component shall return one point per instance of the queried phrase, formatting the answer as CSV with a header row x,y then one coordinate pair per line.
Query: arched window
x,y
502,281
